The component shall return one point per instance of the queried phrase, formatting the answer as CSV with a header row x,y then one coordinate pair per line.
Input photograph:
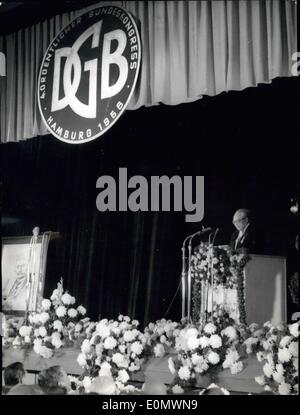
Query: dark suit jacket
x,y
248,244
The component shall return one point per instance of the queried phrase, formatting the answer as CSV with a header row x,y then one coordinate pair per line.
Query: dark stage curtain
x,y
190,49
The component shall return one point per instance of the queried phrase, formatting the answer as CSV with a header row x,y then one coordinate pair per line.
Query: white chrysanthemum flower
x,y
163,339
42,331
103,330
78,327
66,299
43,317
57,343
171,366
294,329
192,332
151,326
116,331
268,370
280,368
196,359
135,323
210,328
260,356
46,304
284,355
122,348
184,373
193,343
72,313
127,319
260,380
204,341
105,369
215,341
81,310
294,349
177,390
137,348
267,388
231,357
118,359
236,367
133,367
86,383
278,377
55,335
81,360
129,335
61,311
284,389
285,341
110,343
120,318
27,339
86,346
46,352
36,318
230,332
25,331
73,300
57,325
54,295
159,350
213,358
123,376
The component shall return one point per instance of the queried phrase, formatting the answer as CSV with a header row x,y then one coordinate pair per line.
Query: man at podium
x,y
244,239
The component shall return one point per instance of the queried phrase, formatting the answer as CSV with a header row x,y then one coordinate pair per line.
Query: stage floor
x,y
153,369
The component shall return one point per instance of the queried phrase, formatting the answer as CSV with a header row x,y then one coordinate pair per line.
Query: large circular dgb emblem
x,y
88,74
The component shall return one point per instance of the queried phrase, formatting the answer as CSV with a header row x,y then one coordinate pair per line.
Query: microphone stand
x,y
183,274
210,274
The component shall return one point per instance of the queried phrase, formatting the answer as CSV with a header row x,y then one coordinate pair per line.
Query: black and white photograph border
x,y
161,253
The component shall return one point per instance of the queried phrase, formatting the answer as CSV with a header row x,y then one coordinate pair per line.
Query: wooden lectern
x,y
265,289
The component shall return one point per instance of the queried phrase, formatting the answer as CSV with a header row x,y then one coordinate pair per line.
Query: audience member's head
x,y
25,390
214,389
14,374
54,381
103,385
154,388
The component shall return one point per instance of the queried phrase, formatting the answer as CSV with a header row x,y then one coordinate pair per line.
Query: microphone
x,y
215,234
36,231
202,231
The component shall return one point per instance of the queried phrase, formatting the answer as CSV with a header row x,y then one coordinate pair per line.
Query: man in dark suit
x,y
244,238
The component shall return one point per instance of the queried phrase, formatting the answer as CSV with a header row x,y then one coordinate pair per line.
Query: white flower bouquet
x,y
112,348
277,348
160,337
58,323
206,349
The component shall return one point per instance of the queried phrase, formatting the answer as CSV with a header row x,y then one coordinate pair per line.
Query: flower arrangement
x,y
226,269
206,349
277,347
58,323
112,348
160,337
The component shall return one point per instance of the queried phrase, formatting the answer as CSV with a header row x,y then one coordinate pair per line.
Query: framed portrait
x,y
23,269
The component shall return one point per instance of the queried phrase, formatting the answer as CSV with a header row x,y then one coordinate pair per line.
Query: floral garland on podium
x,y
227,268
